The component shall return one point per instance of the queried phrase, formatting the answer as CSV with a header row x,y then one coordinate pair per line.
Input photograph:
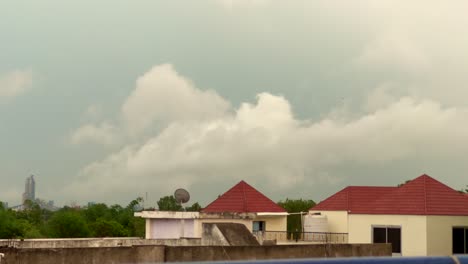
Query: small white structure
x,y
241,204
420,218
170,225
315,227
176,225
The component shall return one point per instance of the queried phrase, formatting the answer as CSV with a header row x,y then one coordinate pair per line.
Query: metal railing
x,y
313,237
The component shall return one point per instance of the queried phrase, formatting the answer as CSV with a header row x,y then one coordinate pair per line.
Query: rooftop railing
x,y
312,237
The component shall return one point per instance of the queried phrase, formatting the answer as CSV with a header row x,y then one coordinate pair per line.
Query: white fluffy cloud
x,y
14,83
103,133
263,141
162,95
422,48
411,62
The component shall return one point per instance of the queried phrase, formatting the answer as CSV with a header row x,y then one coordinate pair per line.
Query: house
x,y
242,204
421,217
243,198
186,225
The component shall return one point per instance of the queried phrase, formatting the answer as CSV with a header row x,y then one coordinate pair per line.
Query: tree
x,y
169,203
68,223
401,184
9,227
96,211
108,228
296,206
196,207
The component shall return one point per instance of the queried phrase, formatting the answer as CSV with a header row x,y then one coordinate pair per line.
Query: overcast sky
x,y
109,100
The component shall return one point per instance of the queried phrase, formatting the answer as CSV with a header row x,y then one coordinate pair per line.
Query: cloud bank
x,y
201,138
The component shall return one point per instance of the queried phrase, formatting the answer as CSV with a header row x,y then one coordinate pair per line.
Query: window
x,y
388,235
459,240
258,226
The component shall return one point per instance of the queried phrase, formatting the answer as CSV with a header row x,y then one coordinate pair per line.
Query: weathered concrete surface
x,y
96,242
112,255
212,236
231,234
220,253
156,254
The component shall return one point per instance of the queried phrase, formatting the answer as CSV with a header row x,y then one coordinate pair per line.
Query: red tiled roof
x,y
243,198
421,196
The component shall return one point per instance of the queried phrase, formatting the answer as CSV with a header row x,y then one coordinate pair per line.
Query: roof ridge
x,y
243,198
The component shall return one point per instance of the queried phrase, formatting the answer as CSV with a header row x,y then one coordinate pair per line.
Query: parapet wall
x,y
96,242
220,253
155,254
92,255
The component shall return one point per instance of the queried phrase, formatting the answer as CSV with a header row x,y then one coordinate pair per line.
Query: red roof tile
x,y
421,196
243,198
352,198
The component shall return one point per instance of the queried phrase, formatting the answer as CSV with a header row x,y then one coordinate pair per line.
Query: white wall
x,y
413,231
439,233
170,228
337,220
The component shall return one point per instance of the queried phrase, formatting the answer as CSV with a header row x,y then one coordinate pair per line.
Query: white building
x,y
243,198
241,204
420,218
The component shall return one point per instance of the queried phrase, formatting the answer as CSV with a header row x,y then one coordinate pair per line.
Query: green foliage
x,y
169,203
68,223
108,228
196,207
96,211
99,220
8,226
401,184
296,206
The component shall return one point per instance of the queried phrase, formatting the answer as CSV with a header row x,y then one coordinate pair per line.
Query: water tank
x,y
315,227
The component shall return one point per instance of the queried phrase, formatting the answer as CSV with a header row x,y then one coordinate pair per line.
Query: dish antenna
x,y
181,196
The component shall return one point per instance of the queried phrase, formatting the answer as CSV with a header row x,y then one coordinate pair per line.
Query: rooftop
x,y
243,198
421,196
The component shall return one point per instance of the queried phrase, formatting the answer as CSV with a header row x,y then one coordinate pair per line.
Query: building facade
x,y
423,217
242,204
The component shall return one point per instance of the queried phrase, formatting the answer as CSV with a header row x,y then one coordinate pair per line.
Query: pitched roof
x,y
243,198
421,196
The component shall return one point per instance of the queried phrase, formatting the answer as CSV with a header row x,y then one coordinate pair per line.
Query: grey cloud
x,y
263,141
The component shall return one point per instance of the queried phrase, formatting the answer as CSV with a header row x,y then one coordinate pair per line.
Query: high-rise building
x,y
29,189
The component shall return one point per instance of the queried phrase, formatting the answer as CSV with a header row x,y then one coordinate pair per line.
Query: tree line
x,y
101,220
97,220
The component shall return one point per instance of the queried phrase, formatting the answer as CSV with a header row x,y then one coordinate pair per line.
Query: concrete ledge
x,y
155,254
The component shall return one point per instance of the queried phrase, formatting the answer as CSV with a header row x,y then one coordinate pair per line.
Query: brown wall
x,y
153,254
220,253
96,255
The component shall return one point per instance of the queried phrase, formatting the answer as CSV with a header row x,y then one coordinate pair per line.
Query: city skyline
x,y
29,189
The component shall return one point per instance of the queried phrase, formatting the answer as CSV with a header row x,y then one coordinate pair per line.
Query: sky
x,y
106,101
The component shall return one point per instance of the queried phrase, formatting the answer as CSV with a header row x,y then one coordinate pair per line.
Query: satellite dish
x,y
181,196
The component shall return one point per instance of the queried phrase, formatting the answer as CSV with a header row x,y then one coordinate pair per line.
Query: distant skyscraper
x,y
29,189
